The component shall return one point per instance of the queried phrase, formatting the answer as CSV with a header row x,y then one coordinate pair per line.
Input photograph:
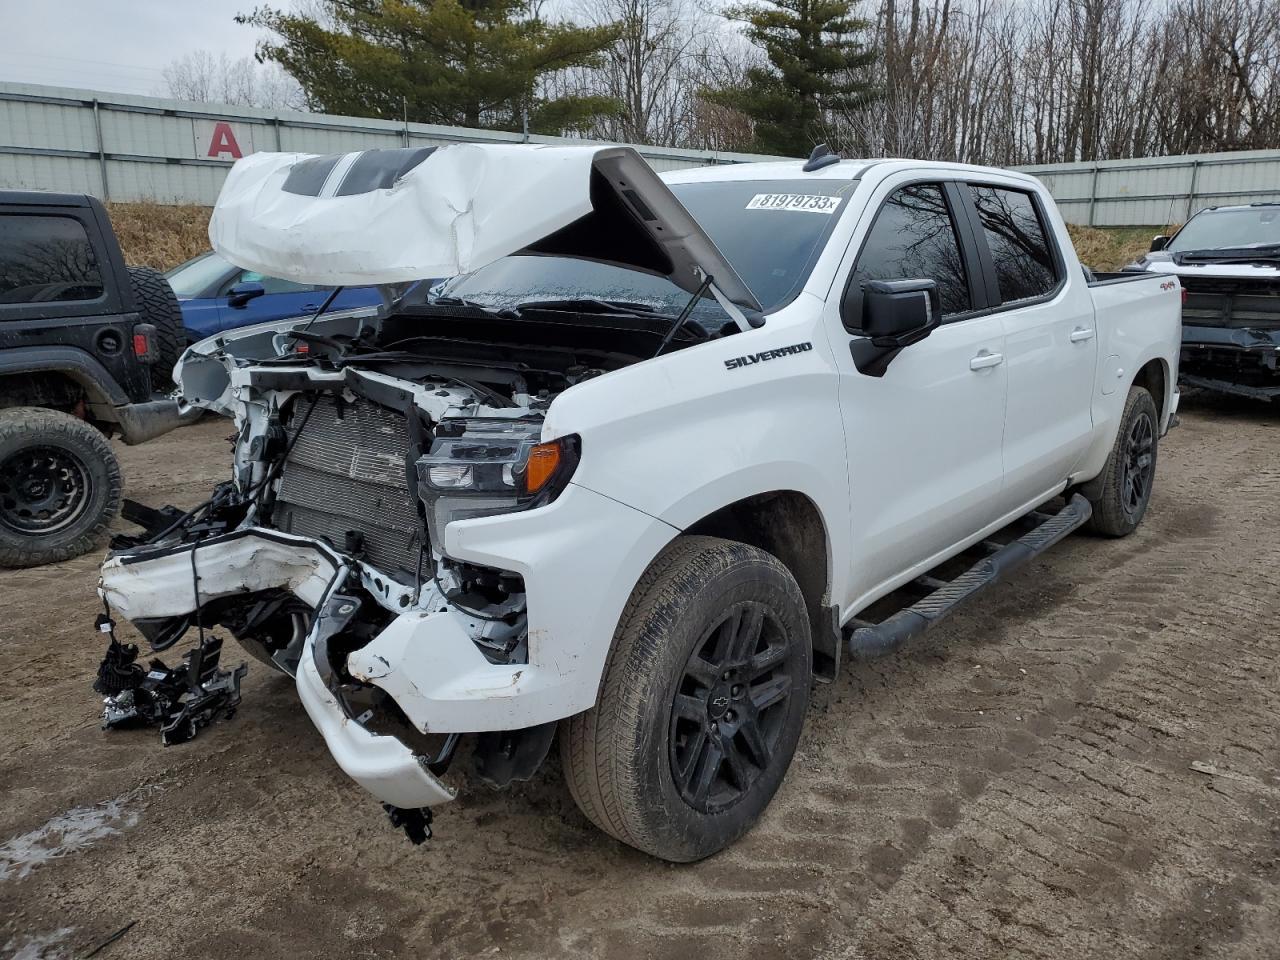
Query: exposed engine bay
x,y
357,440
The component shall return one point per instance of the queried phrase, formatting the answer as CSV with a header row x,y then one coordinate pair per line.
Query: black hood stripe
x,y
308,176
371,170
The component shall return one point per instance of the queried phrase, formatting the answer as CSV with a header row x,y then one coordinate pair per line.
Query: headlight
x,y
478,468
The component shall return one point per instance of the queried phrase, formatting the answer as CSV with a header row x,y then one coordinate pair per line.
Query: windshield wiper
x,y
1263,252
459,302
592,305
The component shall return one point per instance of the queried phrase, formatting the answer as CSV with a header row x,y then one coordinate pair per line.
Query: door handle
x,y
986,359
1081,334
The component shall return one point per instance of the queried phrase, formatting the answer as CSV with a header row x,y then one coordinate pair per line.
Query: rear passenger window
x,y
914,238
46,259
1025,266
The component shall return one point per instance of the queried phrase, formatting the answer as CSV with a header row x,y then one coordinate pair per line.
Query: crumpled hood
x,y
395,216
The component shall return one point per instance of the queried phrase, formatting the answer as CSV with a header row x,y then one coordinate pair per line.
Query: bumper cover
x,y
382,765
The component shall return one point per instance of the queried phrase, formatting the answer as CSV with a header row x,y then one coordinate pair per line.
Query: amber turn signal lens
x,y
543,461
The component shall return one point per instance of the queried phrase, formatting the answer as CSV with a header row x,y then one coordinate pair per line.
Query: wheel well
x,y
1152,376
50,389
788,525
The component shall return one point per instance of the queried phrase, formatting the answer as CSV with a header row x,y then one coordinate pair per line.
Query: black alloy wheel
x,y
728,711
1139,464
43,489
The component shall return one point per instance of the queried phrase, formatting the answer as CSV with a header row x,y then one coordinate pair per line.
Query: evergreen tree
x,y
817,62
473,63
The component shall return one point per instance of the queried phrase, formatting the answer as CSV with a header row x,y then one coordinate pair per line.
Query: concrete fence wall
x,y
122,147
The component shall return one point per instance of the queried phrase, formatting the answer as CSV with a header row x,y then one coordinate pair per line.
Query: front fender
x,y
682,436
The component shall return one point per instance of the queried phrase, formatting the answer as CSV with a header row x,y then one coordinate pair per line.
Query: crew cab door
x,y
1050,338
924,438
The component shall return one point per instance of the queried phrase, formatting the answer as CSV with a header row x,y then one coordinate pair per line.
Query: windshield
x,y
1214,229
194,277
771,231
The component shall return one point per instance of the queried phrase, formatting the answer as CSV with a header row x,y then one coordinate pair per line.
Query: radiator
x,y
346,472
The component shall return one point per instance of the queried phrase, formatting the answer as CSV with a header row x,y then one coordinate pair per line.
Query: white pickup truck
x,y
660,452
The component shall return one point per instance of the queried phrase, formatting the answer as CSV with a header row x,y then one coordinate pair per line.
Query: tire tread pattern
x,y
158,305
92,445
603,775
1109,518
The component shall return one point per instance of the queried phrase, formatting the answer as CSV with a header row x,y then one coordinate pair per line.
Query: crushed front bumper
x,y
151,583
1234,360
382,765
423,655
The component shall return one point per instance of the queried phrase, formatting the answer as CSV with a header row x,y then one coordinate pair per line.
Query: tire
x,y
158,306
60,487
623,758
1124,486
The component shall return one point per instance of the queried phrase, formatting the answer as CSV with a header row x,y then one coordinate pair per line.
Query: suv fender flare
x,y
84,369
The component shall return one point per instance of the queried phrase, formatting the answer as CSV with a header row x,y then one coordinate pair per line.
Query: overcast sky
x,y
117,45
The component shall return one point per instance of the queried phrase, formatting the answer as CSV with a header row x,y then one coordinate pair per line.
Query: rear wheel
x,y
158,306
1127,479
703,700
60,486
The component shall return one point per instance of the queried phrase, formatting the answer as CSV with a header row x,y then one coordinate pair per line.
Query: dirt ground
x,y
1081,764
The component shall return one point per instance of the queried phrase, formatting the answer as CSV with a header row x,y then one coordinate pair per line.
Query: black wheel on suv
x,y
703,700
1126,481
60,486
159,307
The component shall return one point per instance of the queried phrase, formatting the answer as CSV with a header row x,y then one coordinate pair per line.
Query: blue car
x,y
216,295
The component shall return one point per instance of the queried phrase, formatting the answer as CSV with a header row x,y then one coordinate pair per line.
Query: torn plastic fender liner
x,y
153,583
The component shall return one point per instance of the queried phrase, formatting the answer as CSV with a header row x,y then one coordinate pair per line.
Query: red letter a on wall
x,y
224,141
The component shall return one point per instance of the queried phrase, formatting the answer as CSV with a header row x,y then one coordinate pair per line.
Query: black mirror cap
x,y
242,293
896,308
1159,242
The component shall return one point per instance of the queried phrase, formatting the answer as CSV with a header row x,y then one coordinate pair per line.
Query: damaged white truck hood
x,y
395,216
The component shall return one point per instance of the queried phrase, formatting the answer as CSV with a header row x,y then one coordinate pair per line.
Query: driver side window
x,y
914,238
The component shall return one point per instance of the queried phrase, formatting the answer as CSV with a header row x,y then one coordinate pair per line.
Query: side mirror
x,y
899,312
894,314
1159,242
239,295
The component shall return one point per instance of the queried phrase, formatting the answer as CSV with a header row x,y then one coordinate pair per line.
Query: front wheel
x,y
703,699
1124,486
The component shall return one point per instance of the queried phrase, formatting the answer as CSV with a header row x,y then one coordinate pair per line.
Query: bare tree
x,y
989,81
204,78
1043,81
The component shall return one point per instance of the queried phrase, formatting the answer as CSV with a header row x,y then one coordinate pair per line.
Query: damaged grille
x,y
346,473
1226,302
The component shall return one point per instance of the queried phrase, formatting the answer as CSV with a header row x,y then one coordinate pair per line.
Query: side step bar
x,y
870,639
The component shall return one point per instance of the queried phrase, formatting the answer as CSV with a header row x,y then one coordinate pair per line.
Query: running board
x,y
870,639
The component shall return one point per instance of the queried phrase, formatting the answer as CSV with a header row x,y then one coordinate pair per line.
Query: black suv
x,y
87,347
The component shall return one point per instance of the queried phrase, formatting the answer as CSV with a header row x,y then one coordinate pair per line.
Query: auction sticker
x,y
802,202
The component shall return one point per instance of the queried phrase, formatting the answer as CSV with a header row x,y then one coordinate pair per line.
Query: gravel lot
x,y
1020,783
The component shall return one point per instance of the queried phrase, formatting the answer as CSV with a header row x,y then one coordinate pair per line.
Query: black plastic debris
x,y
415,821
180,700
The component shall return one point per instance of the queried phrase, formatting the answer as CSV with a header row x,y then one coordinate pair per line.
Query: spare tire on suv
x,y
158,306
